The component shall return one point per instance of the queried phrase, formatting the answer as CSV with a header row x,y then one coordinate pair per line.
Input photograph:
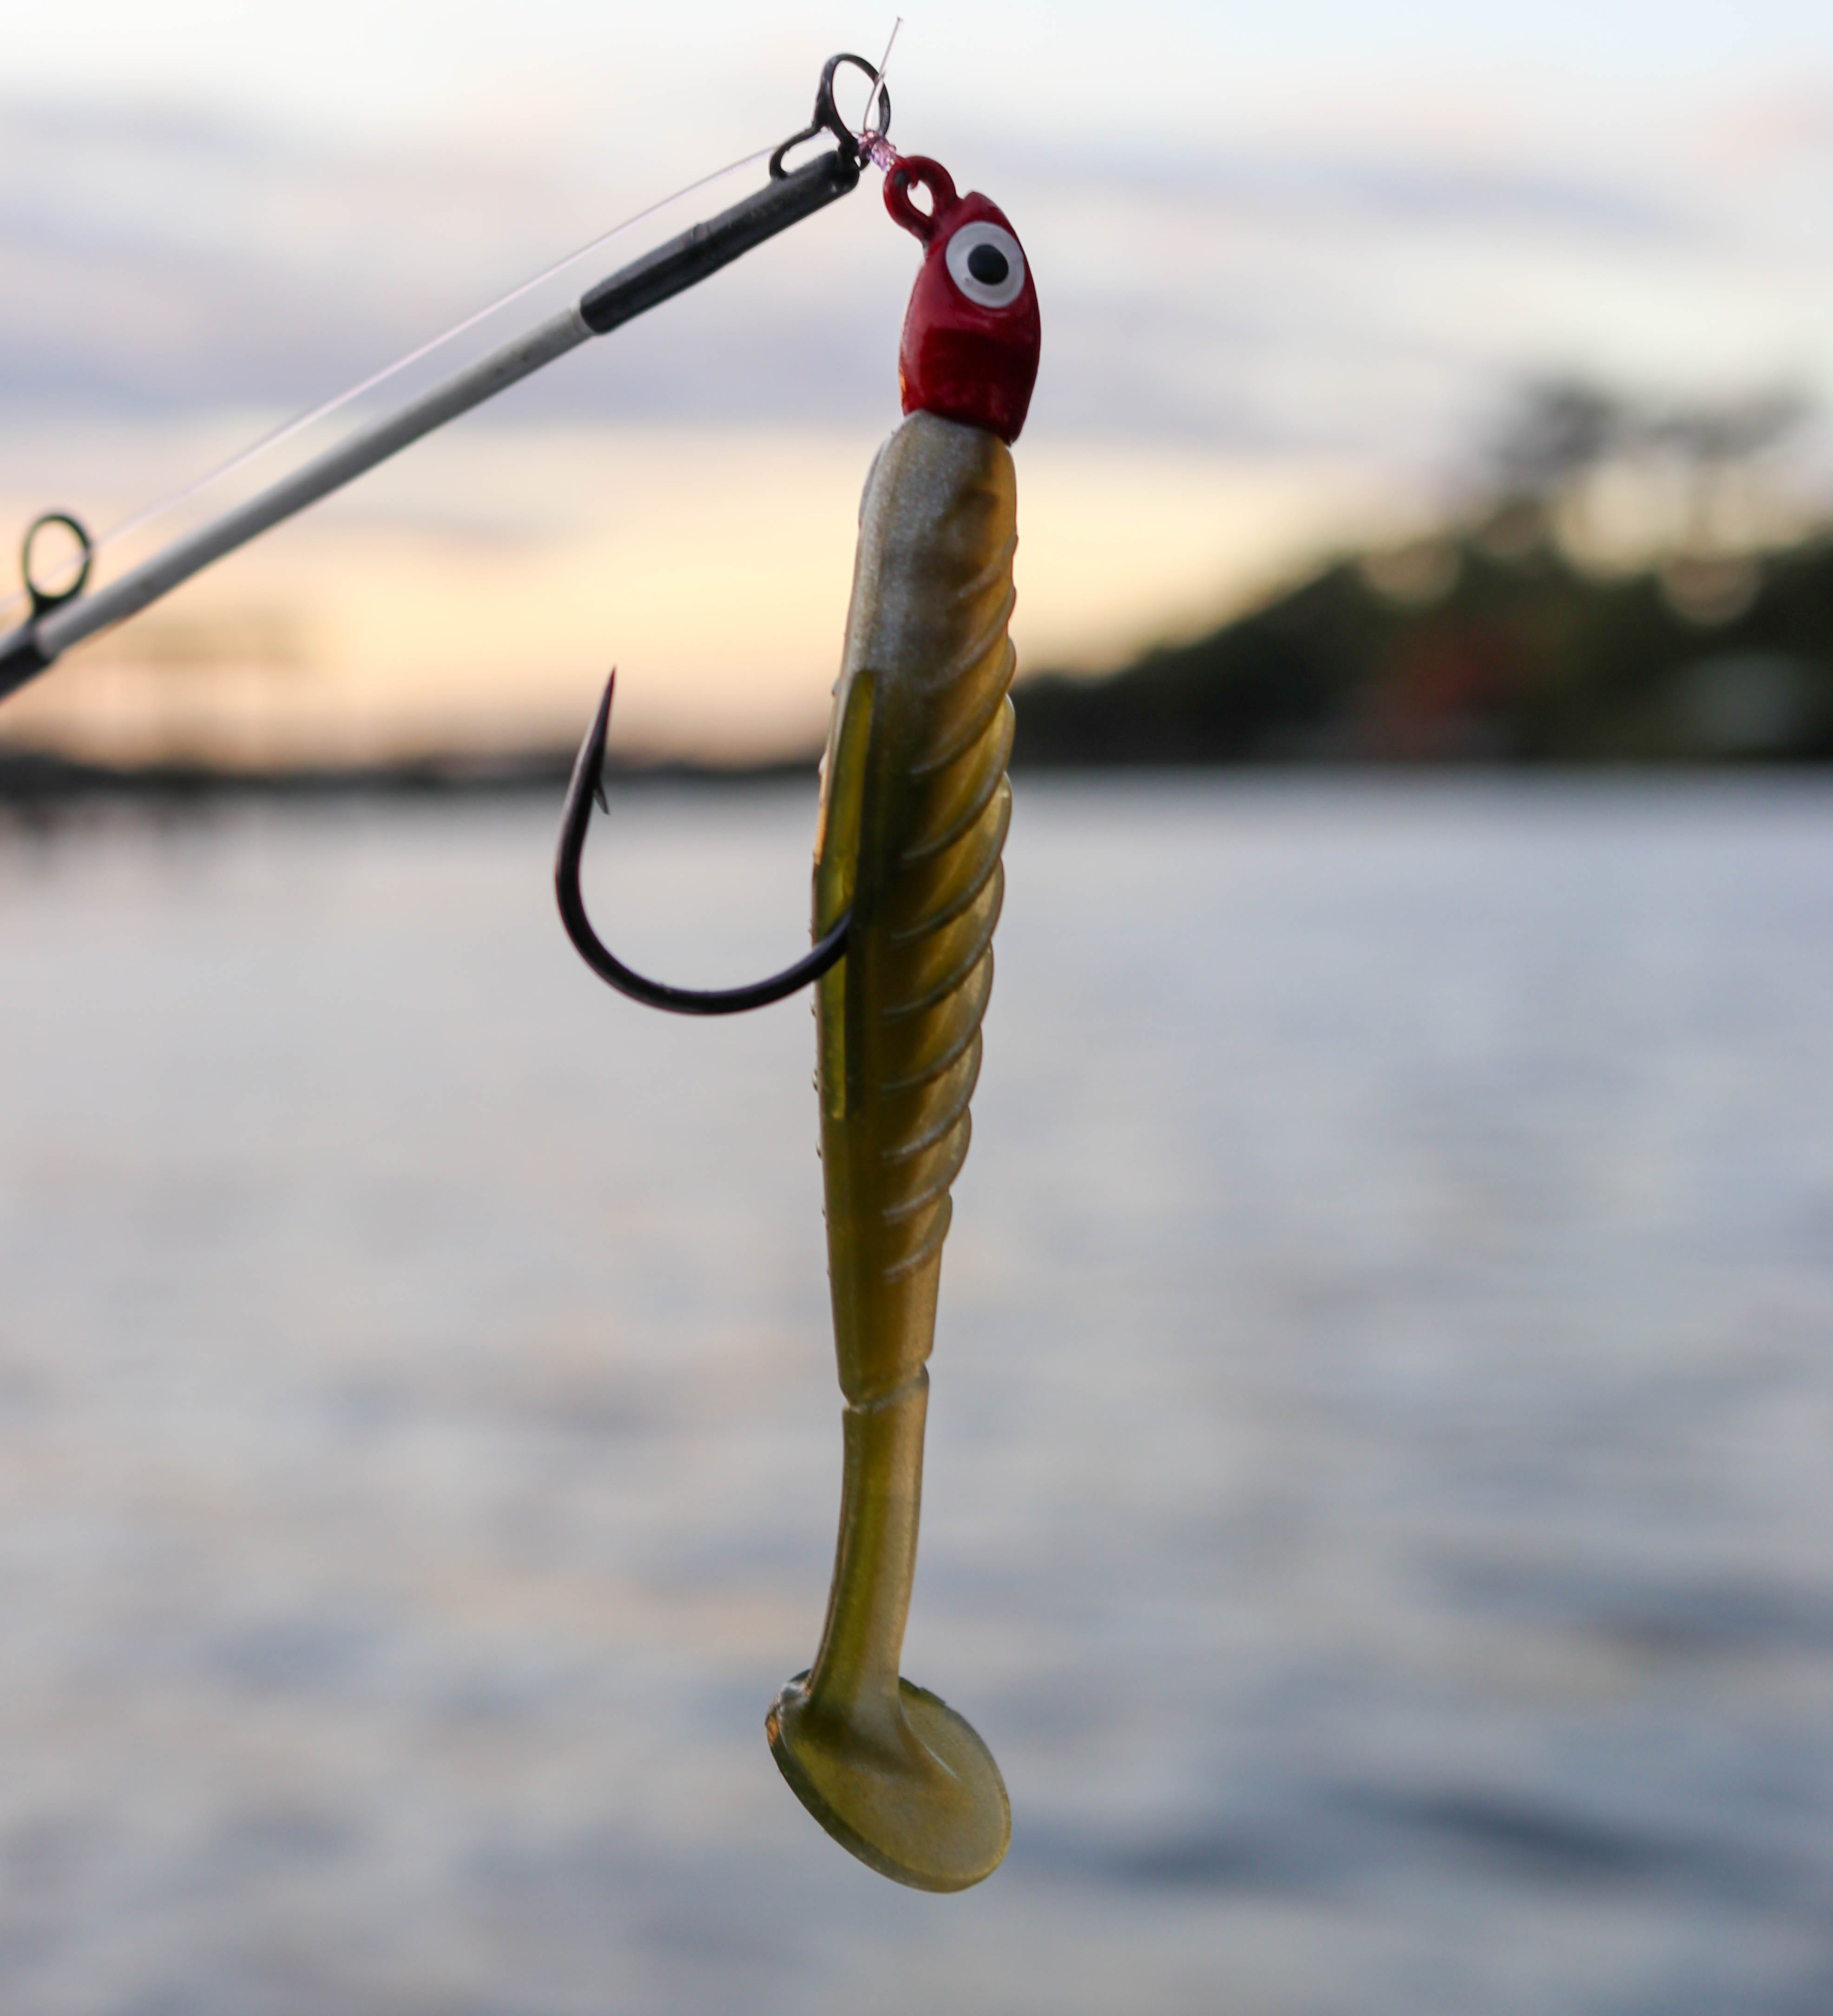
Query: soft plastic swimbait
x,y
908,884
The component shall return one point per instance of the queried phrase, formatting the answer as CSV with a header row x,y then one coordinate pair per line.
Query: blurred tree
x,y
1561,434
1559,430
1492,641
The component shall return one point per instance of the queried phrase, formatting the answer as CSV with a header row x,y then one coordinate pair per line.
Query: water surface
x,y
1378,1498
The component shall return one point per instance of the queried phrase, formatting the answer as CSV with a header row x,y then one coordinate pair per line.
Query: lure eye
x,y
985,263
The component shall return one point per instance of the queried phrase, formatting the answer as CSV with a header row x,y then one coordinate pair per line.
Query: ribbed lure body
x,y
915,805
928,662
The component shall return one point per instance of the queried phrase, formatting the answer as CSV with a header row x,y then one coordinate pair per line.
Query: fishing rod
x,y
65,616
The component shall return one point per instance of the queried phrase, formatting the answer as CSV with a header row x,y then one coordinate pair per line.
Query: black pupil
x,y
988,264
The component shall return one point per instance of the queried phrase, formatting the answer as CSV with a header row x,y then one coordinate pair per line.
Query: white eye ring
x,y
962,248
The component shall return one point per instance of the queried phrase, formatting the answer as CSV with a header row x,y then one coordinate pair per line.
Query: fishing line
x,y
877,94
289,428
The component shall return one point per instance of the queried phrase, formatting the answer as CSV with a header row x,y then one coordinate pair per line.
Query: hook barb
x,y
587,783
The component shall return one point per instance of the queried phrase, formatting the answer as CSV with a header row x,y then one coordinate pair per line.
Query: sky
x,y
1294,265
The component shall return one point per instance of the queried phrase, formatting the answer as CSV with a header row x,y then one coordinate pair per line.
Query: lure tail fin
x,y
887,1767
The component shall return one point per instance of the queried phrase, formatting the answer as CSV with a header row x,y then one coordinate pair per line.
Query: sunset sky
x,y
1293,263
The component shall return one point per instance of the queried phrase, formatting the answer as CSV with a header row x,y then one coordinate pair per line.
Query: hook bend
x,y
587,783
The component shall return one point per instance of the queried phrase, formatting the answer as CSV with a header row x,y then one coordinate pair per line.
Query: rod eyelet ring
x,y
827,119
44,599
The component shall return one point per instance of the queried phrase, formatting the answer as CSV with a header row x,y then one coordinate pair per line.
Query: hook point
x,y
600,732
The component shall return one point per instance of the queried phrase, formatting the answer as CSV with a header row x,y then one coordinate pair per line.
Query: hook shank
x,y
587,783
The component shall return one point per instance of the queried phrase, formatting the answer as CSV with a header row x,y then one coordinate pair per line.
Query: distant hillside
x,y
1461,652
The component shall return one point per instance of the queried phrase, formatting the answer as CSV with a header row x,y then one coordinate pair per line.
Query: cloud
x,y
1360,292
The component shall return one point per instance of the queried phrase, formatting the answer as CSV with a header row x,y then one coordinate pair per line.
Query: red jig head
x,y
971,332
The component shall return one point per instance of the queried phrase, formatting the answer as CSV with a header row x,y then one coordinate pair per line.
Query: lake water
x,y
1380,1508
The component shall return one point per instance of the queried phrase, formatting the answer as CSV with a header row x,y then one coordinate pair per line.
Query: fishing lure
x,y
907,888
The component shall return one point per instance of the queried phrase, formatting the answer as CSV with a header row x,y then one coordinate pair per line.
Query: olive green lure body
x,y
908,884
915,804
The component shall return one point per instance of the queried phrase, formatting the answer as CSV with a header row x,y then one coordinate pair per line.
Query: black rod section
x,y
703,248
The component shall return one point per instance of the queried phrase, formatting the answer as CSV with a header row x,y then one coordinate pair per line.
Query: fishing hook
x,y
587,783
